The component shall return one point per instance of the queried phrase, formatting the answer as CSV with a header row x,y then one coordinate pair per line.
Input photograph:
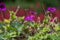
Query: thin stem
x,y
17,9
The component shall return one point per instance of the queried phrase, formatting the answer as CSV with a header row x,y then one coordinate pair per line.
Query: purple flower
x,y
52,9
2,7
29,18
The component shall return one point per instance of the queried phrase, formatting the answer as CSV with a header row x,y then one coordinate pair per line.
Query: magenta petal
x,y
29,18
52,10
49,8
2,7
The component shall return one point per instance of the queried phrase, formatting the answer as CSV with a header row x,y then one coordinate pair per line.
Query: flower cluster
x,y
4,13
18,22
29,15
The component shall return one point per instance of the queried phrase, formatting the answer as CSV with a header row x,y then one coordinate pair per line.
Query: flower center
x,y
1,6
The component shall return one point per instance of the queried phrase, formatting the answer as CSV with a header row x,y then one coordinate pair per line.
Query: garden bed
x,y
17,23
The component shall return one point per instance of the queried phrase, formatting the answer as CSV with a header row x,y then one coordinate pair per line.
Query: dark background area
x,y
27,3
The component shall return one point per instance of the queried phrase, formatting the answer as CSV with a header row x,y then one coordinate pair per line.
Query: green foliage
x,y
35,31
57,28
43,36
39,31
46,29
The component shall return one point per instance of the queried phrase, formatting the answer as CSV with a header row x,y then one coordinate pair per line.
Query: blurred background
x,y
28,3
38,5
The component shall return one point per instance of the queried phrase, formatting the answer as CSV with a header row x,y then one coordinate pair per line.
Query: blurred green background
x,y
27,3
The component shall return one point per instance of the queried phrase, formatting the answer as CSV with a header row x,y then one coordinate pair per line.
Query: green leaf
x,y
46,29
57,28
